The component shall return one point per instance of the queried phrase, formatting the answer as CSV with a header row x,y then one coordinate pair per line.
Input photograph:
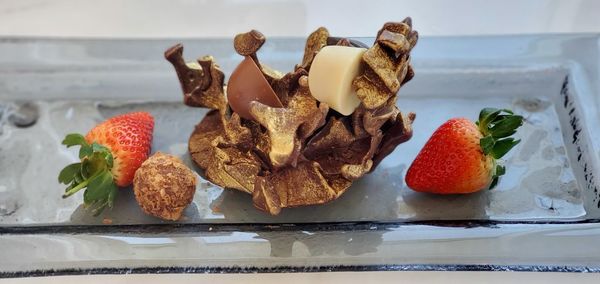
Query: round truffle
x,y
164,186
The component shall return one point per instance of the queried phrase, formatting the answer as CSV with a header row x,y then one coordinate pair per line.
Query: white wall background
x,y
206,18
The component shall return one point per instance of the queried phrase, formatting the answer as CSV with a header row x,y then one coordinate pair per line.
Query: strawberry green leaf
x,y
488,116
494,182
112,195
67,174
487,143
85,151
94,164
498,172
501,147
78,178
506,126
99,148
93,174
74,139
99,188
496,125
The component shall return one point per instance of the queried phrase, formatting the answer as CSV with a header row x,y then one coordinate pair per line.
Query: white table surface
x,y
188,18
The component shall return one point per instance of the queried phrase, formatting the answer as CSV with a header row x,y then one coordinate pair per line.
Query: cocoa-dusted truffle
x,y
164,186
306,152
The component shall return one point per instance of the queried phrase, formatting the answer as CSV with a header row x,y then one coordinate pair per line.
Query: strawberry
x,y
110,154
462,156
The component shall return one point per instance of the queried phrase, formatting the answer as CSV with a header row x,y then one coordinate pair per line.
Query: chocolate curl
x,y
201,81
387,64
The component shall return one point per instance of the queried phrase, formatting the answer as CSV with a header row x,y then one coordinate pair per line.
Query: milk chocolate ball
x,y
164,186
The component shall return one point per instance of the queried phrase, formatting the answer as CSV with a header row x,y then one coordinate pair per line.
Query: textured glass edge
x,y
588,90
270,227
305,269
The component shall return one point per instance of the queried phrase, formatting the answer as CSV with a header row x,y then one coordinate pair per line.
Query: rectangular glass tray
x,y
548,197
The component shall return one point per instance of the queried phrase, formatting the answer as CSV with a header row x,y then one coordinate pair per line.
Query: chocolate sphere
x,y
164,186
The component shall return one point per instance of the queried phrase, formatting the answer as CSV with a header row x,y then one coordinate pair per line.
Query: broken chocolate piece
x,y
282,124
290,187
398,133
247,44
315,41
202,83
387,64
247,84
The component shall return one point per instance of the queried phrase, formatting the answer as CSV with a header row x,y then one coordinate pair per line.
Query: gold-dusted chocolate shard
x,y
247,44
205,135
373,120
287,85
201,82
400,132
339,151
232,168
352,172
262,146
236,134
410,73
265,197
270,74
315,122
291,187
387,64
371,90
395,41
315,41
334,135
384,67
282,124
402,28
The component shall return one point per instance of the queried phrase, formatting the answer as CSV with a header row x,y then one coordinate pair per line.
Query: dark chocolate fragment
x,y
315,41
247,44
398,133
201,82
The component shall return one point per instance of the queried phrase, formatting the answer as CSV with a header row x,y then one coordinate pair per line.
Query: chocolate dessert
x,y
303,137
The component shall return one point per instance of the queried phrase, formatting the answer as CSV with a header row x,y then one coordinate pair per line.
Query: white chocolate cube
x,y
331,75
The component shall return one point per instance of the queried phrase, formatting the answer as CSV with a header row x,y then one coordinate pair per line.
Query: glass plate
x,y
543,215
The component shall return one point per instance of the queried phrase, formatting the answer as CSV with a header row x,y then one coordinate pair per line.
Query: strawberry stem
x,y
93,173
76,188
496,126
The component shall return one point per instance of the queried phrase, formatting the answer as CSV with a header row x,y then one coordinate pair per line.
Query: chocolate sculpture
x,y
293,150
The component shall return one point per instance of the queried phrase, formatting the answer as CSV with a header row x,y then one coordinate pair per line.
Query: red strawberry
x,y
461,156
110,154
